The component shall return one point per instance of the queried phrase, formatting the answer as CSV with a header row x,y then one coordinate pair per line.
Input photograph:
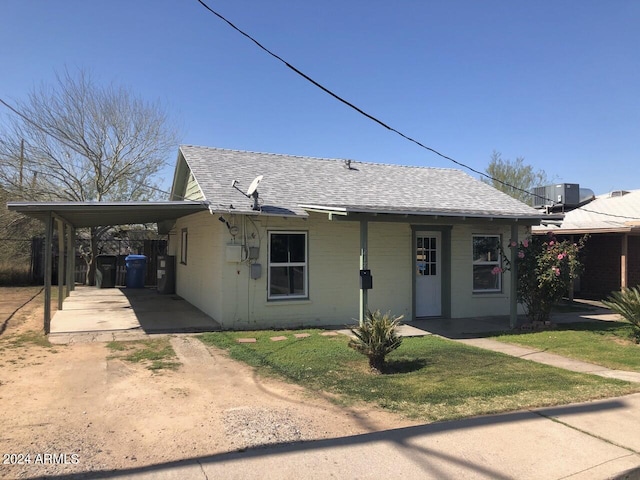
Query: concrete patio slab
x,y
404,330
68,321
90,309
457,328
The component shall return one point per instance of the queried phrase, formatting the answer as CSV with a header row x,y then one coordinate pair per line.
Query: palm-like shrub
x,y
626,303
376,337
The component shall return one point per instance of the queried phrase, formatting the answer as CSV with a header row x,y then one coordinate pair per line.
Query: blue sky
x,y
557,83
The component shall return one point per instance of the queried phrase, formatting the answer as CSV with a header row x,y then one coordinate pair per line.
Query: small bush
x,y
376,337
626,303
546,269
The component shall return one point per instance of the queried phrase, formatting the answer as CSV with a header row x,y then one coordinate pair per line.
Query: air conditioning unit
x,y
563,194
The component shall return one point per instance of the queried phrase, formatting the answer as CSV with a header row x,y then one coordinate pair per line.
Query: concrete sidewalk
x,y
595,440
551,359
473,331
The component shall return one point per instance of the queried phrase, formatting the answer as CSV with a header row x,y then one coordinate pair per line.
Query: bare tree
x,y
514,177
76,140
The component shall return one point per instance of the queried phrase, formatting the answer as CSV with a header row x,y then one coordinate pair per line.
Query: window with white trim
x,y
487,264
288,270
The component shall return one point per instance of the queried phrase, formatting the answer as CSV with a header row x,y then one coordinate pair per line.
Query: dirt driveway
x,y
90,412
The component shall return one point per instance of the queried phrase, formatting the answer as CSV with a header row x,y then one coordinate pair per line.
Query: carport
x,y
67,217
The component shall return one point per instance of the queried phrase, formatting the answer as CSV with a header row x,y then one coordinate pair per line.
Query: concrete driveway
x,y
144,310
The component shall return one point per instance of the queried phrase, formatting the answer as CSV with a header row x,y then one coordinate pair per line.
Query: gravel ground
x,y
114,415
248,427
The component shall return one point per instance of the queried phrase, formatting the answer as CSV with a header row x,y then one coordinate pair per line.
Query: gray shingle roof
x,y
291,184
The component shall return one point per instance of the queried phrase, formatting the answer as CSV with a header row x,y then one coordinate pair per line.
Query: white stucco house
x,y
302,248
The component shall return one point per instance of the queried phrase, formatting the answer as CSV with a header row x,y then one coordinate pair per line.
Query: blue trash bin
x,y
136,270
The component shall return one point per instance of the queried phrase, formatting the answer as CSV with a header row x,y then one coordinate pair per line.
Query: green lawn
x,y
433,379
603,343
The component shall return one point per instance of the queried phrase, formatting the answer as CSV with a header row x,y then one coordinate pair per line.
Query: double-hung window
x,y
487,266
288,269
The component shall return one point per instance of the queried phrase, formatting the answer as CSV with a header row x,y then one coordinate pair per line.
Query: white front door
x,y
428,274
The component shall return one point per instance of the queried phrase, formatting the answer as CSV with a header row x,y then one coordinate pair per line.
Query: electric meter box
x,y
233,253
256,271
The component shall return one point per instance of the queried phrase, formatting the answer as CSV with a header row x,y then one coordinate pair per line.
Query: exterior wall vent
x,y
562,194
618,193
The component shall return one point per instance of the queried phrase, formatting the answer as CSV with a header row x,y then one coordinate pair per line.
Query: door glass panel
x,y
426,256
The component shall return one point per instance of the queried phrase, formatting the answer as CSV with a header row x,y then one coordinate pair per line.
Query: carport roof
x,y
96,214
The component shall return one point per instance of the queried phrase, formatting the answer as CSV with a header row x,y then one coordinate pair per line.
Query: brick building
x,y
611,256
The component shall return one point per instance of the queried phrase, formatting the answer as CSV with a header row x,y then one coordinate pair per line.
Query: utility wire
x,y
39,127
373,118
151,187
356,108
341,100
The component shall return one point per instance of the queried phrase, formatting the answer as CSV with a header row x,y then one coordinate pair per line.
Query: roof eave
x,y
93,214
345,211
585,230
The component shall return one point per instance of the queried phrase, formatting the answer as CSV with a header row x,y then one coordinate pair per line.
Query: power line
x,y
356,108
151,187
38,126
337,97
372,117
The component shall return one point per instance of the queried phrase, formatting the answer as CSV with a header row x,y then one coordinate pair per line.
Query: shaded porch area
x,y
91,309
464,328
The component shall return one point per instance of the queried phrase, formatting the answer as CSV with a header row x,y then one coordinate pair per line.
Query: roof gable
x,y
292,184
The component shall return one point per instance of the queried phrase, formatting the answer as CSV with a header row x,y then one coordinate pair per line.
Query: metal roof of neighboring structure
x,y
618,211
95,214
294,185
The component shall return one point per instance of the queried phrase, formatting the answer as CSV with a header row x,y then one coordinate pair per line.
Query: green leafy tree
x,y
546,268
77,140
376,337
514,177
626,303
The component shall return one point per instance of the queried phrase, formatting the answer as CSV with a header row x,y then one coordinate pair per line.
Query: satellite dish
x,y
254,185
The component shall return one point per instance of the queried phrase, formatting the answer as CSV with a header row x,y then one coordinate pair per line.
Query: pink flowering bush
x,y
546,269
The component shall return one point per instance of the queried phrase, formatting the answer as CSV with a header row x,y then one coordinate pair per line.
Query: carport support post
x,y
364,245
61,242
513,298
48,244
71,259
